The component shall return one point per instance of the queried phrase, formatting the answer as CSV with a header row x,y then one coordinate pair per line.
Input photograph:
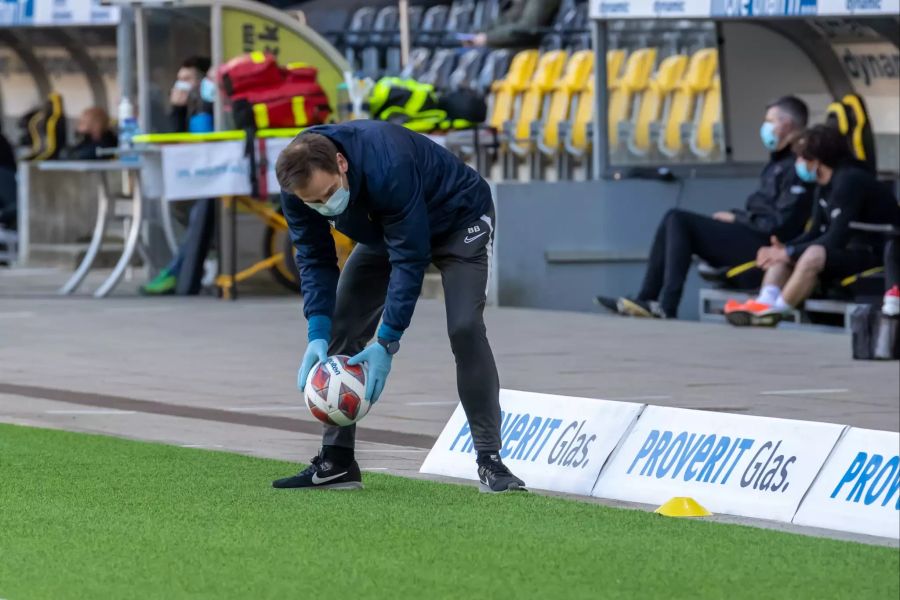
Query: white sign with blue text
x,y
734,464
859,488
207,170
553,442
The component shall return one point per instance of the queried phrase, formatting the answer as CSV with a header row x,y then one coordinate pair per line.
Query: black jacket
x,y
87,148
406,193
853,194
781,205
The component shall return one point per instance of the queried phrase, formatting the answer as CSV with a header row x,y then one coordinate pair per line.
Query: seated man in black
x,y
780,207
93,133
846,192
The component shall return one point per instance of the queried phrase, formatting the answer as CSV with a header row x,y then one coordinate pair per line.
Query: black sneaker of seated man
x,y
330,470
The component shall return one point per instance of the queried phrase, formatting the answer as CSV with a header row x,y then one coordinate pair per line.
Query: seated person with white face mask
x,y
779,207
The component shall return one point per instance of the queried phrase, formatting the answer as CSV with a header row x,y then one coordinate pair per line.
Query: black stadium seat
x,y
374,53
358,32
465,75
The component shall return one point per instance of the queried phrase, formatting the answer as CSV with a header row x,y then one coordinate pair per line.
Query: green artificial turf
x,y
86,516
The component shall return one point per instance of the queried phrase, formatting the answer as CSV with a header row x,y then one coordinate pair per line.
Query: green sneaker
x,y
162,284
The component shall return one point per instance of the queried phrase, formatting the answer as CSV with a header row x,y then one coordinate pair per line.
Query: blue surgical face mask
x,y
335,205
767,135
208,90
803,171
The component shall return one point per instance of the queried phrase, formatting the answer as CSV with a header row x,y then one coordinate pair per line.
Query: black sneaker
x,y
495,477
324,474
640,308
608,302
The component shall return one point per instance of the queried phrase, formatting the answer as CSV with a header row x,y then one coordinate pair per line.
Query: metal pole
x,y
404,32
217,60
143,68
125,51
601,96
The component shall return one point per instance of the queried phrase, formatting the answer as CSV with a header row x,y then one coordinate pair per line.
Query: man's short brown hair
x,y
309,152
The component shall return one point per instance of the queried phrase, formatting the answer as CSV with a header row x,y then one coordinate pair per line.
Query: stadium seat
x,y
434,24
546,74
574,81
505,92
392,55
373,55
706,134
418,63
496,64
622,90
701,71
485,14
357,34
576,132
851,118
459,20
439,69
614,61
465,74
639,136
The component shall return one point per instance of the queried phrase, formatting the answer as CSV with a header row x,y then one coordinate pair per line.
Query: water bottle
x,y
128,128
344,107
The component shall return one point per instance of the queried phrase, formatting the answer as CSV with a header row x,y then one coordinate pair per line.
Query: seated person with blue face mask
x,y
192,98
846,191
779,207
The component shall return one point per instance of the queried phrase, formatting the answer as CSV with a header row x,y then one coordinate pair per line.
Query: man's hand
x,y
724,216
378,360
479,40
769,256
178,97
316,352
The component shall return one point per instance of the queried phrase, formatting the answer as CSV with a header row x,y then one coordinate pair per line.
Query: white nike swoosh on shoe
x,y
469,240
320,480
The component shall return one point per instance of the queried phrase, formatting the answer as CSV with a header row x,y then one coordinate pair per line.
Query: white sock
x,y
769,294
780,304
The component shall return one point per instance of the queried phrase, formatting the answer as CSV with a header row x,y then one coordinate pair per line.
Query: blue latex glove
x,y
379,363
316,351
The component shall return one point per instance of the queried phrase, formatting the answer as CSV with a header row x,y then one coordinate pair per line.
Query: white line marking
x,y
434,403
264,408
641,398
374,469
802,392
202,446
92,411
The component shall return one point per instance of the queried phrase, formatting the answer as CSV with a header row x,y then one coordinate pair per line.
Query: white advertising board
x,y
552,442
738,9
207,170
274,146
734,464
57,12
859,488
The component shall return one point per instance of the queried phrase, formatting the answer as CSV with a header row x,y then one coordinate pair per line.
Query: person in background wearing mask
x,y
779,208
93,133
408,202
192,98
830,250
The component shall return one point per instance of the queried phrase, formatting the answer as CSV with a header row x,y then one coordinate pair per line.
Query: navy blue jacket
x,y
406,192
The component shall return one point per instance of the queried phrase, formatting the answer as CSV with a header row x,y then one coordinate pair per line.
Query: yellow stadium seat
x,y
584,114
705,138
653,102
574,81
638,68
701,70
504,92
548,71
614,61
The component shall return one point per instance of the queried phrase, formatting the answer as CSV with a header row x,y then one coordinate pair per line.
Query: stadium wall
x,y
560,244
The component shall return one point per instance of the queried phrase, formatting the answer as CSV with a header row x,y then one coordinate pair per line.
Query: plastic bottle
x,y
128,128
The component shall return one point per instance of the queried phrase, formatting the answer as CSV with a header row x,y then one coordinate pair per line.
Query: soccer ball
x,y
336,392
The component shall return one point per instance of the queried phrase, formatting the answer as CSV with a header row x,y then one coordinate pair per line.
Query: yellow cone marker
x,y
682,506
